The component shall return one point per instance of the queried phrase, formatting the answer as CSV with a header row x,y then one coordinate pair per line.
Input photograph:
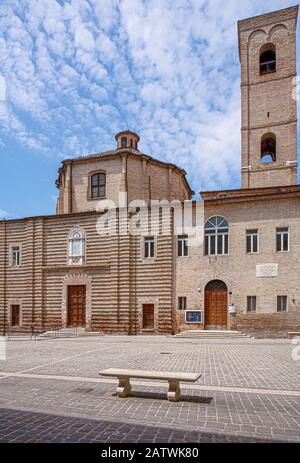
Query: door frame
x,y
12,302
227,301
77,280
141,302
68,305
148,329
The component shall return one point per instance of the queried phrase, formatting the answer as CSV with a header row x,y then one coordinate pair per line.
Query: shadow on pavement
x,y
31,427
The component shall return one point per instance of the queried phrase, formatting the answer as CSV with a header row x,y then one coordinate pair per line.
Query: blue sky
x,y
73,73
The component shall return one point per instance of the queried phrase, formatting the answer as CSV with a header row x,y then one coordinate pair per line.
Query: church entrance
x,y
76,305
216,303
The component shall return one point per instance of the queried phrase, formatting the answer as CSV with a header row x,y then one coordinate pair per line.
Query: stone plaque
x,y
267,270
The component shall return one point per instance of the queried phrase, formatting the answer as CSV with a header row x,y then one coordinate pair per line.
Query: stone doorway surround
x,y
141,302
216,314
77,280
12,302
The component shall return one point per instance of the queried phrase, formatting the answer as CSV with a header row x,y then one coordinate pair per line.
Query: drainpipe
x,y
248,116
130,331
71,189
4,277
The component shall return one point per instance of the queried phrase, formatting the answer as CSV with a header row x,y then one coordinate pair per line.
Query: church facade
x,y
117,257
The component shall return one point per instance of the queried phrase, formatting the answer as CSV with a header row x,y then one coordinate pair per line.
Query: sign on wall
x,y
193,316
267,270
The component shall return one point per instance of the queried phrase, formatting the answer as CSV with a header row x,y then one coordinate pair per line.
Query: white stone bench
x,y
173,378
293,334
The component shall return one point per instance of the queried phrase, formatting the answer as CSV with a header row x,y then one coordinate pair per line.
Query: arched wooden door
x,y
216,304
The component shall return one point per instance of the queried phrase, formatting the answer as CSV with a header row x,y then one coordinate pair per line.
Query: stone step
x,y
212,334
69,333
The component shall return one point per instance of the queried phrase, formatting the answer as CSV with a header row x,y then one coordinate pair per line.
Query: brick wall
x,y
267,100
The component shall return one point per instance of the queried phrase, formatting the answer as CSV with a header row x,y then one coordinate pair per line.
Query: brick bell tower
x,y
267,50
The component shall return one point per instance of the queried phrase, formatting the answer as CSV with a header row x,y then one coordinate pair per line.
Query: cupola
x,y
127,139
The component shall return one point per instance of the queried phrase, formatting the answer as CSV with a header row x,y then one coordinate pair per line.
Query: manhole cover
x,y
82,390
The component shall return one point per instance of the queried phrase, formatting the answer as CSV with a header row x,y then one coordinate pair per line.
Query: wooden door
x,y
148,317
76,305
15,315
216,305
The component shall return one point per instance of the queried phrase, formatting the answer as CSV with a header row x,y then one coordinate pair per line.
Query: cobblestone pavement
x,y
41,428
50,391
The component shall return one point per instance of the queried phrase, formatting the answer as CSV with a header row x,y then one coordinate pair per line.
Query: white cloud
x,y
77,72
2,89
84,39
4,214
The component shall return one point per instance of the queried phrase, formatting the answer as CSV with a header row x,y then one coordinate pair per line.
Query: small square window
x,y
282,303
182,303
149,249
282,239
182,246
15,256
252,241
251,303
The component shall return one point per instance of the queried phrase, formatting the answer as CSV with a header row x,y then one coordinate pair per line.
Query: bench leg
x,y
124,387
174,391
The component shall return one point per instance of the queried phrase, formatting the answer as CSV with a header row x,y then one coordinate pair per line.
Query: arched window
x,y
76,246
124,142
268,148
267,59
98,185
216,236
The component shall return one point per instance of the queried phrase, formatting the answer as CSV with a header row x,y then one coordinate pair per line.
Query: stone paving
x,y
50,391
44,428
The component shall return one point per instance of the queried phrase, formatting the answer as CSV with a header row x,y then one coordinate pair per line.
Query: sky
x,y
74,73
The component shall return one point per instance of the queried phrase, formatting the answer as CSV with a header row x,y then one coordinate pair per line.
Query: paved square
x,y
50,391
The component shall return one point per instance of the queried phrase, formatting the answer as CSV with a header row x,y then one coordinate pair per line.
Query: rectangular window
x,y
220,244
282,239
149,246
182,244
225,244
76,247
282,303
216,244
210,245
252,241
251,303
16,256
98,185
182,303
